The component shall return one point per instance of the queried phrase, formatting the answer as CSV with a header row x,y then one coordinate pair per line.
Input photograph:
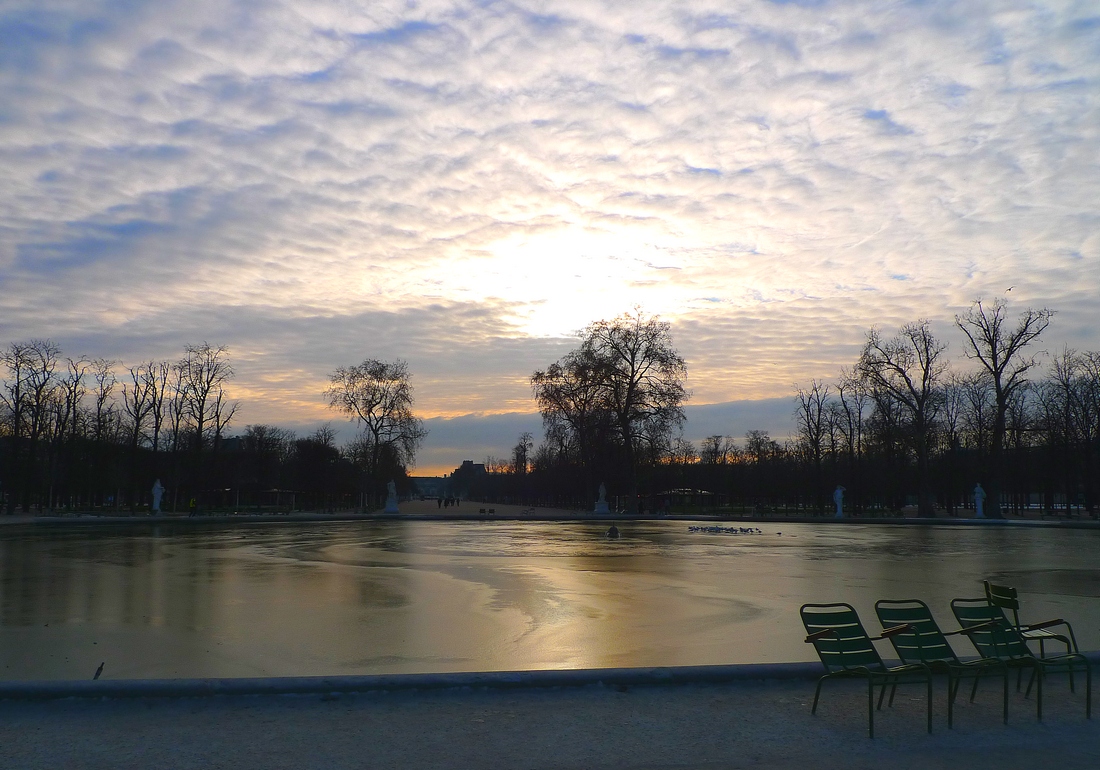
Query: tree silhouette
x,y
1000,351
378,395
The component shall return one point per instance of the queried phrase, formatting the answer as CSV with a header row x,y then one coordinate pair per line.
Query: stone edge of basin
x,y
320,685
579,517
308,685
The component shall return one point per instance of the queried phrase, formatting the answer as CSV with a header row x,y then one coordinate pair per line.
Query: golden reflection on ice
x,y
402,597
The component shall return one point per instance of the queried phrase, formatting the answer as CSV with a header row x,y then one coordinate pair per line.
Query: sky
x,y
464,185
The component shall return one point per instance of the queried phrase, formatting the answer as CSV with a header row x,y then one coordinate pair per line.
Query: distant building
x,y
469,467
430,486
464,477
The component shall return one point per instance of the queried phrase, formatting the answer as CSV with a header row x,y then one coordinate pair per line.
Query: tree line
x,y
89,434
903,425
900,426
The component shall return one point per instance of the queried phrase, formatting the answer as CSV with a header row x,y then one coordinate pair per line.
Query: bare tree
x,y
853,404
717,450
642,382
1089,417
954,408
16,359
683,452
158,376
813,424
137,404
65,422
522,452
908,367
1001,351
1069,402
267,448
378,395
204,373
575,416
760,447
28,397
105,415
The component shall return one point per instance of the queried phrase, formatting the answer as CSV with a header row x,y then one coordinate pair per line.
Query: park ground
x,y
746,724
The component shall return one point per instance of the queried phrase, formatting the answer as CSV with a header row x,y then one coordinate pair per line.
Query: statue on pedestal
x,y
601,503
158,493
979,501
838,498
391,497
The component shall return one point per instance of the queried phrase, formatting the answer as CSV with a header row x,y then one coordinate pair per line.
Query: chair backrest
x,y
1004,597
924,642
1000,639
848,646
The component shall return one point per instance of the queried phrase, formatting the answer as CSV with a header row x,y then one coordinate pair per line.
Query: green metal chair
x,y
924,642
1007,599
847,651
994,636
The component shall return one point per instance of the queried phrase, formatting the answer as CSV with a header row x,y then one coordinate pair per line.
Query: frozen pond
x,y
396,597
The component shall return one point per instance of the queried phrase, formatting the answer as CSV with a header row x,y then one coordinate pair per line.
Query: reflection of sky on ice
x,y
463,185
421,596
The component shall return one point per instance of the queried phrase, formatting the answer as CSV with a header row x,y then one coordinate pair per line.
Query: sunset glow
x,y
464,185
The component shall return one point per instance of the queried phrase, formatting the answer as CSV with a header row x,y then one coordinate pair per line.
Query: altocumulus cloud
x,y
464,184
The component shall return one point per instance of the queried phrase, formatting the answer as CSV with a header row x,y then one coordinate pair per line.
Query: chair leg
x,y
871,707
1038,674
952,690
893,692
929,704
1088,691
817,694
974,690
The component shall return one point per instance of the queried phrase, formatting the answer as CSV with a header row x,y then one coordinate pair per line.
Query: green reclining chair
x,y
1007,599
995,637
847,651
925,643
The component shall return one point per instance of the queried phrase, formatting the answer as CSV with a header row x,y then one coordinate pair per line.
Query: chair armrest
x,y
894,631
971,629
822,634
1044,624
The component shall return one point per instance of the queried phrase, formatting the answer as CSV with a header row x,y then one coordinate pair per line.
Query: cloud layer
x,y
463,184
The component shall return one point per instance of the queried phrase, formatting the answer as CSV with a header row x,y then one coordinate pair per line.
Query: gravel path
x,y
739,725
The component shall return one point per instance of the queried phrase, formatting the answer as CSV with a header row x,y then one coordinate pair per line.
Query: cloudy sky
x,y
465,184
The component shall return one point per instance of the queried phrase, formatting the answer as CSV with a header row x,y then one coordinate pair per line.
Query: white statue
x,y
979,501
838,498
391,497
601,503
158,493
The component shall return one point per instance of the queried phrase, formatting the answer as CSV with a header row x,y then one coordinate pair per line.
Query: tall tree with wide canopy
x,y
378,395
1000,349
570,397
626,370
